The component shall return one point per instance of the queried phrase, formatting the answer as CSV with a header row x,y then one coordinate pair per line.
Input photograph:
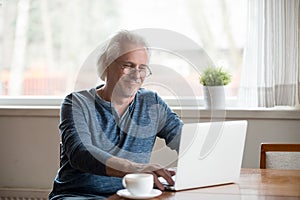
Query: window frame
x,y
45,101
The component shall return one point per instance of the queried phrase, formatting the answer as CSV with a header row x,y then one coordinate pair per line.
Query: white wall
x,y
29,144
28,151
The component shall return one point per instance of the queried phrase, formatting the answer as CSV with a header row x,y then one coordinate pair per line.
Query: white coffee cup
x,y
138,184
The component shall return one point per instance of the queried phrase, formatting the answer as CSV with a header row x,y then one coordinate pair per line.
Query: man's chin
x,y
129,88
127,92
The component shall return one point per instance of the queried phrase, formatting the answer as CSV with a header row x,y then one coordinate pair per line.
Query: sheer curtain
x,y
270,75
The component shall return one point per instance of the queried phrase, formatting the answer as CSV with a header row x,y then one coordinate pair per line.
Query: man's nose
x,y
136,73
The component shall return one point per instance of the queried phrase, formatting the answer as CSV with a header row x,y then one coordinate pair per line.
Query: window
x,y
271,60
45,42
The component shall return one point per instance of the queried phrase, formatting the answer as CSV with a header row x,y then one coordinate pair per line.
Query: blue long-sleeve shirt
x,y
92,131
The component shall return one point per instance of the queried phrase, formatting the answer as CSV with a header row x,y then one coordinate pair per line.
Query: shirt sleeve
x,y
170,125
76,139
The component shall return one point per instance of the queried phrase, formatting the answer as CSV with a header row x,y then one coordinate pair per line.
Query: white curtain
x,y
270,75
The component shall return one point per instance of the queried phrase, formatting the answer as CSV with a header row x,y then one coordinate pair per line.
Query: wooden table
x,y
253,184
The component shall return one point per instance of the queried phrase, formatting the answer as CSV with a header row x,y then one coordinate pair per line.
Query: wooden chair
x,y
280,156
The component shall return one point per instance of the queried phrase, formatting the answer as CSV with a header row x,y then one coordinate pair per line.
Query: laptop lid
x,y
210,154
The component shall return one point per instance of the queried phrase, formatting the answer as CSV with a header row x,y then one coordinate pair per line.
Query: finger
x,y
158,184
169,180
166,174
172,172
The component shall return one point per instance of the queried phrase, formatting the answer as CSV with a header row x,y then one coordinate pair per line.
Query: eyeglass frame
x,y
133,68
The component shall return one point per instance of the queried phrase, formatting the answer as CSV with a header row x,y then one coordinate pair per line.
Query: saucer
x,y
125,193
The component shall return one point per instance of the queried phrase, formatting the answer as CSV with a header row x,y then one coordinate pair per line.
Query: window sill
x,y
240,113
30,111
183,112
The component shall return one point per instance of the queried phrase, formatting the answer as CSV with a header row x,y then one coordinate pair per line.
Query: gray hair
x,y
121,43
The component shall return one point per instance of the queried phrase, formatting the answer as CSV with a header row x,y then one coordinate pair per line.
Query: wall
x,y
29,144
29,149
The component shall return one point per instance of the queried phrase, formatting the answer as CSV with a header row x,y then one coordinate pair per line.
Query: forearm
x,y
86,158
119,167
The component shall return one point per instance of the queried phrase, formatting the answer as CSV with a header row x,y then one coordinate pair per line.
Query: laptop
x,y
210,154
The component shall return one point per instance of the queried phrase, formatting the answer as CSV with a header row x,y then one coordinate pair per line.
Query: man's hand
x,y
120,167
157,171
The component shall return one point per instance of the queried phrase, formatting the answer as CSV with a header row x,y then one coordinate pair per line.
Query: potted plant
x,y
213,80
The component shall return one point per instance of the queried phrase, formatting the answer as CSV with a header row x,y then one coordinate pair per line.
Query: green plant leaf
x,y
212,76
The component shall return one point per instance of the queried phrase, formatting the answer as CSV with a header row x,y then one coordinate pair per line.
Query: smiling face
x,y
126,85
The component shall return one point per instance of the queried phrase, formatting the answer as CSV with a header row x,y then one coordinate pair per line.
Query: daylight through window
x,y
45,42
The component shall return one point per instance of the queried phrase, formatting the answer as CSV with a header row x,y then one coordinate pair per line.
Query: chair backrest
x,y
280,156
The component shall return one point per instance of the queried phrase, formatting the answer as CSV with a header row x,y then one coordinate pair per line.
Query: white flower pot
x,y
214,97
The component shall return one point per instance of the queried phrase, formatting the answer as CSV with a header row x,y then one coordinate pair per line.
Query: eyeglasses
x,y
130,68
